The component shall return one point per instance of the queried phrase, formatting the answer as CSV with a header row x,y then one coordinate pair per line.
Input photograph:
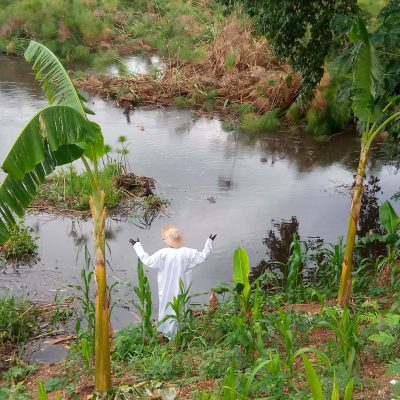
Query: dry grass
x,y
255,78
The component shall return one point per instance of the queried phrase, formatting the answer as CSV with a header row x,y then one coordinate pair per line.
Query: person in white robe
x,y
174,263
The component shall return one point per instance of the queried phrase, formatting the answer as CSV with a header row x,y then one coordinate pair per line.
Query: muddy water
x,y
229,183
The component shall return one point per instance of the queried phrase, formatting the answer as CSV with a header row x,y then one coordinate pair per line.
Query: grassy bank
x,y
102,30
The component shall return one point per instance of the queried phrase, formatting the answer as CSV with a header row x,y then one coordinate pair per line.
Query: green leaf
x,y
393,367
335,389
388,217
241,269
312,378
367,74
348,391
383,338
60,126
54,80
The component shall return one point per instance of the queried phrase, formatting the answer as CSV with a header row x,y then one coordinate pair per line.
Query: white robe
x,y
172,265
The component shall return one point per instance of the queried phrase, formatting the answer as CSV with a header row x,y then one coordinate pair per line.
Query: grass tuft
x,y
20,247
264,123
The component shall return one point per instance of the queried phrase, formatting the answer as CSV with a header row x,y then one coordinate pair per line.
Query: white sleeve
x,y
152,261
198,257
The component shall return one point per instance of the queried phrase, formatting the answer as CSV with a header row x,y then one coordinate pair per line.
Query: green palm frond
x,y
367,74
54,80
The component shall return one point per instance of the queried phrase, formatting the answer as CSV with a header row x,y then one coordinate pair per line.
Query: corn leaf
x,y
241,270
312,378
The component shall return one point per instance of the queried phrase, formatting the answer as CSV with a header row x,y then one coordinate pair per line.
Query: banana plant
x,y
372,119
390,222
57,135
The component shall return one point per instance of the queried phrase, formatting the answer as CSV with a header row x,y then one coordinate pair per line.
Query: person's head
x,y
172,236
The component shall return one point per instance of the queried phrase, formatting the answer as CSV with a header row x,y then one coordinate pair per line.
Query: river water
x,y
230,183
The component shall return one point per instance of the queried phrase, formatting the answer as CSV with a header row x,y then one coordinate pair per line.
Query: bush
x,y
264,123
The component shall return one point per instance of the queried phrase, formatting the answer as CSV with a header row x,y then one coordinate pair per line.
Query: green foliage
x,y
18,320
68,189
294,112
14,392
180,101
268,121
55,383
144,306
182,315
316,385
329,260
301,33
230,60
386,334
72,39
18,372
294,286
349,343
56,135
21,246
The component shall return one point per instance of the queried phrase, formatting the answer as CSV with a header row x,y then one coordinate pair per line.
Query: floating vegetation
x,y
68,192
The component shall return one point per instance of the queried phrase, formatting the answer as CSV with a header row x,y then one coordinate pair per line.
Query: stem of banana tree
x,y
345,280
102,329
102,302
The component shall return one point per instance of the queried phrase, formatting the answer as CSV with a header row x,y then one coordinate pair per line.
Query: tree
x,y
370,92
56,135
302,33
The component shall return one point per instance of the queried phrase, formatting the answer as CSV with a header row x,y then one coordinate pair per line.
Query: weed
x,y
349,343
21,246
14,392
254,123
182,315
230,60
18,372
180,101
18,319
294,112
68,189
144,306
228,126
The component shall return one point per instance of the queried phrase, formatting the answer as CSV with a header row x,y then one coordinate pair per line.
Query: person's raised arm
x,y
149,261
199,257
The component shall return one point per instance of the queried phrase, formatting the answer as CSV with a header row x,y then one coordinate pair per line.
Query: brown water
x,y
254,179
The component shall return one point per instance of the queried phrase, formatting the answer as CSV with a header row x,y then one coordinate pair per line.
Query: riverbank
x,y
238,75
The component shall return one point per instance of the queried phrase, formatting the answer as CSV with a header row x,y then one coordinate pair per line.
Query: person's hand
x,y
212,237
133,241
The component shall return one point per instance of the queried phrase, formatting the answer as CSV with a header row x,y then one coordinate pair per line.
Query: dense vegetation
x,y
262,341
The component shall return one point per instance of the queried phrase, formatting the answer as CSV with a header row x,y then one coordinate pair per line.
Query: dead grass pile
x,y
237,68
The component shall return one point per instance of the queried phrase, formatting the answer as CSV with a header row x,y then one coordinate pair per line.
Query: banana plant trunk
x,y
102,302
345,280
